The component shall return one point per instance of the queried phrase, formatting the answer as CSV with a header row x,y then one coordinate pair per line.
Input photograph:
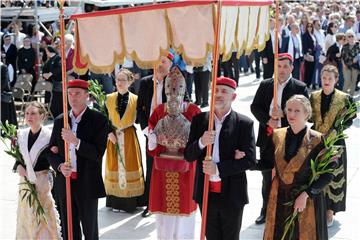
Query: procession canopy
x,y
144,34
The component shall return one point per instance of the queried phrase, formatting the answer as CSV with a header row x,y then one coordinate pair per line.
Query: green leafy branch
x,y
28,192
95,89
323,161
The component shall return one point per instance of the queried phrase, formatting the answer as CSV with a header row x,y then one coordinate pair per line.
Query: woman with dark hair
x,y
333,56
330,35
327,103
309,43
52,73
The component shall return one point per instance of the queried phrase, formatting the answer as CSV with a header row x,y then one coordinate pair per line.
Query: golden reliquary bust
x,y
173,130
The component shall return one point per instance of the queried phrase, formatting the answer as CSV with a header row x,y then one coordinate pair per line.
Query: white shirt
x,y
72,148
329,41
215,153
6,47
159,90
280,90
272,36
320,38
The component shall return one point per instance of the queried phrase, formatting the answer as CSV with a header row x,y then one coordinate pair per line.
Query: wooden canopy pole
x,y
275,107
211,116
66,123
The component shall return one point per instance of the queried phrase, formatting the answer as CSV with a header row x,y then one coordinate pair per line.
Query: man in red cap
x,y
232,138
262,108
87,139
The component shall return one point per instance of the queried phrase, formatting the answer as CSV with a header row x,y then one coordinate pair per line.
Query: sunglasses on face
x,y
350,36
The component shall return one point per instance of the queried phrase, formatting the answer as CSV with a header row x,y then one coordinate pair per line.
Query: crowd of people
x,y
318,71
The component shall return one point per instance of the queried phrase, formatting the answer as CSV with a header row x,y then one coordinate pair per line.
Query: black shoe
x,y
260,219
145,213
203,105
198,103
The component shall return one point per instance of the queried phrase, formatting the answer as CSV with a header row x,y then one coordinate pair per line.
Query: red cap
x,y
78,83
170,56
226,81
282,56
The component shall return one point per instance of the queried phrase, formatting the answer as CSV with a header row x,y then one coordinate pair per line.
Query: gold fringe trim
x,y
336,185
333,197
267,34
133,189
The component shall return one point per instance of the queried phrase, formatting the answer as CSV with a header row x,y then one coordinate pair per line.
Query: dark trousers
x,y
266,181
296,70
268,69
223,220
257,63
189,79
201,81
309,72
84,211
149,166
232,68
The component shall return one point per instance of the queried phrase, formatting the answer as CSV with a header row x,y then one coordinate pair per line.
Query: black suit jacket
x,y
145,96
308,45
331,54
10,55
92,130
260,106
236,133
268,51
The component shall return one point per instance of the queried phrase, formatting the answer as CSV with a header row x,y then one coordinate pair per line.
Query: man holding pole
x,y
232,139
87,139
262,108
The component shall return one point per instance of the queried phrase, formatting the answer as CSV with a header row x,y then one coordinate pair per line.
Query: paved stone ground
x,y
133,226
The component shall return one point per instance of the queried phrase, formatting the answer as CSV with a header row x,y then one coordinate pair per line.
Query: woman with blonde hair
x,y
124,178
33,143
293,149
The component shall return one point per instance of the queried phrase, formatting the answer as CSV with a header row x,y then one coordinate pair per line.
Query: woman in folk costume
x,y
327,104
124,178
33,143
172,179
294,147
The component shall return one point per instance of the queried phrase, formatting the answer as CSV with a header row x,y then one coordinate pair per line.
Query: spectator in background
x,y
26,59
293,45
18,36
48,38
69,53
350,58
303,23
36,36
330,35
52,73
9,53
333,56
309,49
8,112
348,24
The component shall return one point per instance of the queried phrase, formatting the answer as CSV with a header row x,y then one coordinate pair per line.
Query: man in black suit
x,y
87,138
145,106
267,54
232,139
262,108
